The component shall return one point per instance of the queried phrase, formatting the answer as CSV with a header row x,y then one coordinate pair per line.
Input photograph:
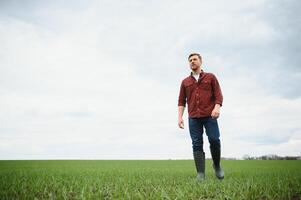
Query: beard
x,y
194,67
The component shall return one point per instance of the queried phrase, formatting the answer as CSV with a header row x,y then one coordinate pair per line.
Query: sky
x,y
100,79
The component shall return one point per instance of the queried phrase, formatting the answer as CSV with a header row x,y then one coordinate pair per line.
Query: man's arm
x,y
180,116
217,93
216,111
181,105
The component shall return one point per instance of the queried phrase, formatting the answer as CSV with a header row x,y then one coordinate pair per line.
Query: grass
x,y
148,179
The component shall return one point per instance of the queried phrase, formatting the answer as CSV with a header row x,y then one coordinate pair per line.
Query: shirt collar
x,y
201,73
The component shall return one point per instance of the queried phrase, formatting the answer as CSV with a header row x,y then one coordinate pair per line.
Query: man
x,y
202,92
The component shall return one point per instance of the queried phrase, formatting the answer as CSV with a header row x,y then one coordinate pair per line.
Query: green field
x,y
148,179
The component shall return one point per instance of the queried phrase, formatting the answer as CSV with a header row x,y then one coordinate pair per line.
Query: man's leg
x,y
196,134
212,131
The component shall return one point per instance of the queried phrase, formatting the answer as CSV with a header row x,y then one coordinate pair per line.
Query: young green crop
x,y
147,179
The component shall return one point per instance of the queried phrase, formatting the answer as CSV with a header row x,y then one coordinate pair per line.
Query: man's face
x,y
194,62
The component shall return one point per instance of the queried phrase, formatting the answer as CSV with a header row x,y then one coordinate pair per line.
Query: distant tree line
x,y
271,157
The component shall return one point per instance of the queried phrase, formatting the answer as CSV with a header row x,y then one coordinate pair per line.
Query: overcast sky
x,y
100,79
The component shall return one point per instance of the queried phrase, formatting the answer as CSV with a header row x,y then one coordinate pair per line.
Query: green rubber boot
x,y
199,159
216,157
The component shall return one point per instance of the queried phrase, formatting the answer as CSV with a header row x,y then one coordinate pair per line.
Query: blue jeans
x,y
196,129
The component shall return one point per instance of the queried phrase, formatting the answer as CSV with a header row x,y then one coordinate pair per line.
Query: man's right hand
x,y
181,123
180,118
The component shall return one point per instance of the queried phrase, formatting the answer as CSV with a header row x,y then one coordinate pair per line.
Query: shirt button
x,y
197,102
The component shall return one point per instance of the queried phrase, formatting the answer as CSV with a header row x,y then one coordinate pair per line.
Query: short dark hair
x,y
195,54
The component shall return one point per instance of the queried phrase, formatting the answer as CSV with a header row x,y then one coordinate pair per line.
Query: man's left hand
x,y
215,112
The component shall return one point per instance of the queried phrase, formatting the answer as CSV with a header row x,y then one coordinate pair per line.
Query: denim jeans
x,y
196,129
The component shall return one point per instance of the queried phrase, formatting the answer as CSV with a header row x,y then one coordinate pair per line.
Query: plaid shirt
x,y
200,95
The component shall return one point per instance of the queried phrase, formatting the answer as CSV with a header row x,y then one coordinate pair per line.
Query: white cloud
x,y
102,81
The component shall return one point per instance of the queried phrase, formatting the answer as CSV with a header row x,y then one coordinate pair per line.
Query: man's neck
x,y
198,71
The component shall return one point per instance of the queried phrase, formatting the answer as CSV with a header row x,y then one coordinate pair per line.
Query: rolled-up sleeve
x,y
182,96
217,92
